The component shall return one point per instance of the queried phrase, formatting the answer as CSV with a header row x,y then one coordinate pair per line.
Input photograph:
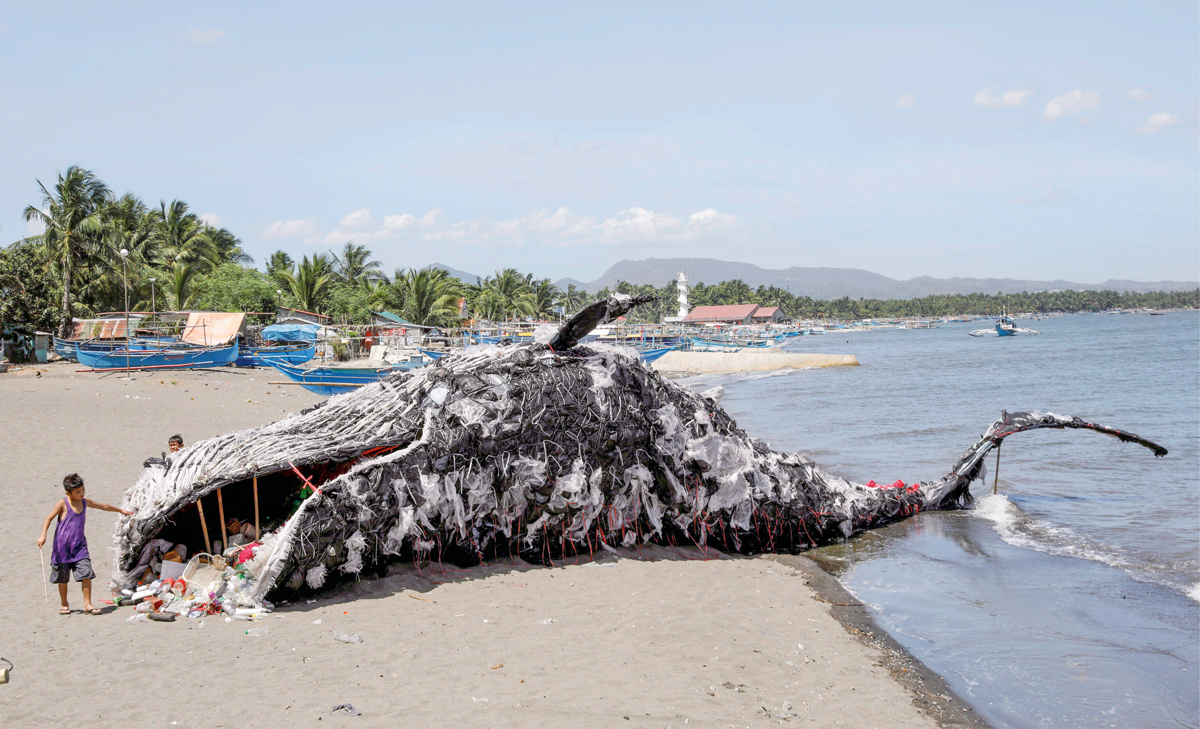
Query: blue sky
x,y
908,139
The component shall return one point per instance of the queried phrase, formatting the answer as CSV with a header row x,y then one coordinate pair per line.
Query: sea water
x,y
1067,599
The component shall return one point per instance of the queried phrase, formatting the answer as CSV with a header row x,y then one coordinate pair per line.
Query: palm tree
x,y
573,299
513,290
428,297
181,287
180,236
308,286
227,246
545,296
74,227
355,266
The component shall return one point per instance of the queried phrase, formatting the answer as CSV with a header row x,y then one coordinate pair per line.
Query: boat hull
x,y
264,356
330,381
158,359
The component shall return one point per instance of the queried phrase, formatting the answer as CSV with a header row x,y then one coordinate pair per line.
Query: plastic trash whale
x,y
542,449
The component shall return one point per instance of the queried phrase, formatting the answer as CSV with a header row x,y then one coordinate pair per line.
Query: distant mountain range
x,y
467,278
832,283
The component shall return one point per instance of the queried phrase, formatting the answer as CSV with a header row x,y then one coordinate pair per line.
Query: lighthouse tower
x,y
681,285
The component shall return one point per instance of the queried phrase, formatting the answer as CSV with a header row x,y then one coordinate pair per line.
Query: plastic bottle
x,y
339,635
258,631
144,607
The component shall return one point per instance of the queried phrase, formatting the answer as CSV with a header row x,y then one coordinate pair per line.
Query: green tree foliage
x,y
428,297
308,287
231,287
29,295
354,266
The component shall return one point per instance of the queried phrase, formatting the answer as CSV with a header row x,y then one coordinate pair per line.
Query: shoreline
x,y
719,642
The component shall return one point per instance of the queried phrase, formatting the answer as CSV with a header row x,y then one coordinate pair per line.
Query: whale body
x,y
544,449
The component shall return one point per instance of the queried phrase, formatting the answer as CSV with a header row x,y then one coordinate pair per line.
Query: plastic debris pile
x,y
544,449
207,585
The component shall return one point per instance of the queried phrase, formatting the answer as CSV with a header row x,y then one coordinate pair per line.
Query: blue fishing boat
x,y
263,356
1005,327
329,381
66,348
99,345
649,355
159,359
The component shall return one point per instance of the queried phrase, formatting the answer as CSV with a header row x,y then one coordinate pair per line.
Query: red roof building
x,y
769,314
730,314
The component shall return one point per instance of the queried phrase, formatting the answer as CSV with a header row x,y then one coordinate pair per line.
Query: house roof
x,y
765,312
732,311
302,311
389,316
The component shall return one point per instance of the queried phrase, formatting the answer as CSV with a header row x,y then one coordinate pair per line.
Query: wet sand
x,y
657,637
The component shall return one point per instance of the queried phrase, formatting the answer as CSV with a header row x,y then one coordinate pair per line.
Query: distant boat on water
x,y
1005,327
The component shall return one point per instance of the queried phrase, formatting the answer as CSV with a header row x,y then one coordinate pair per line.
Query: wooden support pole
x,y
203,524
257,532
221,513
996,481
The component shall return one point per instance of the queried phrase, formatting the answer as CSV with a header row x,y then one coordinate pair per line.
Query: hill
x,y
833,283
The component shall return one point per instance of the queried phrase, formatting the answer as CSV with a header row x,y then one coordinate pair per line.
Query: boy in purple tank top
x,y
70,545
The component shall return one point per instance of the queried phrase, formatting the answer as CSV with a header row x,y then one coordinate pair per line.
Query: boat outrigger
x,y
1005,327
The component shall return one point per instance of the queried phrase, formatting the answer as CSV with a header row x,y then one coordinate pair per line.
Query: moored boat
x,y
158,359
329,381
287,354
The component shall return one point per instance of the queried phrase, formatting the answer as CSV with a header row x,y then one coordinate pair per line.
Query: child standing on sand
x,y
70,545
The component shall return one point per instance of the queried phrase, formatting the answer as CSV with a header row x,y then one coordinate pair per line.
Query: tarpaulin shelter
x,y
212,328
291,333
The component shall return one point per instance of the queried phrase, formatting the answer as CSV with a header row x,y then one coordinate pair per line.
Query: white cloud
x,y
291,229
356,220
908,101
532,146
432,218
206,36
357,227
993,99
211,220
1156,123
565,228
1072,102
1137,95
34,227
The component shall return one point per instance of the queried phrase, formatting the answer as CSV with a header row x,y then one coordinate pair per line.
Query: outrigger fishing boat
x,y
1005,327
158,359
330,381
296,354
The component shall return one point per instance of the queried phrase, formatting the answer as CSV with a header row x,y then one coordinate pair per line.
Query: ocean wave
x,y
1019,529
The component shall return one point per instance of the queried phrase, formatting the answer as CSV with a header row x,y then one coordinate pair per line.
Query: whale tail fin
x,y
953,491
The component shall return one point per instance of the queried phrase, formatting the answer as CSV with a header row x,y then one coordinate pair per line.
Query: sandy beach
x,y
658,637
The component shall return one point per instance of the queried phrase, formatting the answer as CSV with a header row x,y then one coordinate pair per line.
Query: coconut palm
x,y
573,299
355,266
545,295
513,290
182,286
428,297
74,228
308,286
180,236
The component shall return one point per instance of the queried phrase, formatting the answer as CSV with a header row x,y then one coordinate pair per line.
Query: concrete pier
x,y
747,360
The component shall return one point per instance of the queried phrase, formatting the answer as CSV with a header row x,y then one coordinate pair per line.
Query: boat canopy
x,y
212,328
291,333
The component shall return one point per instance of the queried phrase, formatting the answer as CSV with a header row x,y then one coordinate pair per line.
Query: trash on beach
x,y
344,638
346,709
5,671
